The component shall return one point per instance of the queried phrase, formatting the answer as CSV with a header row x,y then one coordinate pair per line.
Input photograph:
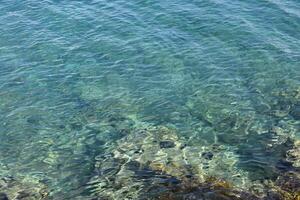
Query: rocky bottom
x,y
154,163
22,188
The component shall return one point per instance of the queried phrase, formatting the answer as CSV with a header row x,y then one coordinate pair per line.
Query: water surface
x,y
78,77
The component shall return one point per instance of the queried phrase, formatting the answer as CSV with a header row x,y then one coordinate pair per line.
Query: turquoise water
x,y
79,80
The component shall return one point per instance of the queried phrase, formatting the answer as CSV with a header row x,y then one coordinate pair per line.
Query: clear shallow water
x,y
77,79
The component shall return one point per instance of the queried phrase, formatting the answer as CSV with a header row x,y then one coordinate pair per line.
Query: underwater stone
x,y
289,182
138,166
293,155
288,186
22,188
166,144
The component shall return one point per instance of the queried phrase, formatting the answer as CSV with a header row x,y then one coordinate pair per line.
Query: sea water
x,y
210,86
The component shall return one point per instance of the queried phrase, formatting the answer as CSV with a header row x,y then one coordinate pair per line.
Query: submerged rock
x,y
286,187
22,189
293,155
288,102
150,163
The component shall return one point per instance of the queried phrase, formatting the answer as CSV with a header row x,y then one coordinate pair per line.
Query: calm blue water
x,y
79,77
